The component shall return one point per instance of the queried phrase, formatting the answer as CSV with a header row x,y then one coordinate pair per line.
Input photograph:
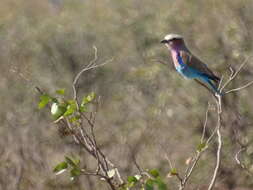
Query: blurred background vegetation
x,y
147,108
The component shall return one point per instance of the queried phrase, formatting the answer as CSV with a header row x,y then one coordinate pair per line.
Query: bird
x,y
187,64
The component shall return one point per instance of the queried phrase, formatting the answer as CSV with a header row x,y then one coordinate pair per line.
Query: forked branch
x,y
217,130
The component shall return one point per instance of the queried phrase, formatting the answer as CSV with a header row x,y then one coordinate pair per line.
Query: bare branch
x,y
205,124
196,158
90,66
169,161
189,170
238,161
243,148
217,131
239,88
95,57
234,73
220,83
84,135
87,139
137,165
86,69
39,90
218,154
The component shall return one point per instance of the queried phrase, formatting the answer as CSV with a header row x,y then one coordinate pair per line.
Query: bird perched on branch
x,y
187,64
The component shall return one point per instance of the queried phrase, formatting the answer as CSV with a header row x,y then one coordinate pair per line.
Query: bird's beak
x,y
164,41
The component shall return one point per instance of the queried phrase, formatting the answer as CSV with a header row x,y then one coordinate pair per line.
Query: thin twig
x,y
86,68
39,90
238,161
218,128
191,167
84,172
205,124
239,88
212,135
220,83
234,74
189,170
243,148
90,140
95,57
85,138
119,176
137,165
169,161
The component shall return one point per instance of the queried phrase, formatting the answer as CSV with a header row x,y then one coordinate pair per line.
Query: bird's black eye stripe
x,y
167,41
172,39
164,41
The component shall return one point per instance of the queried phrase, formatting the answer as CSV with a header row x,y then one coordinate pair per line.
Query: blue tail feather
x,y
213,87
207,79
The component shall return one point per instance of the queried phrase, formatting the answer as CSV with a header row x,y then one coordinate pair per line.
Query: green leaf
x,y
73,162
173,171
201,147
75,172
71,101
149,185
132,179
154,173
111,173
161,185
83,108
71,108
74,119
55,100
60,168
61,91
44,100
88,98
57,110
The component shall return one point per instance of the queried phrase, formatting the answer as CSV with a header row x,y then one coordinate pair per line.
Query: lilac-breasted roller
x,y
187,64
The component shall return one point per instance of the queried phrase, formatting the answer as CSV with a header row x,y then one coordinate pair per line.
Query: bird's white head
x,y
173,41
